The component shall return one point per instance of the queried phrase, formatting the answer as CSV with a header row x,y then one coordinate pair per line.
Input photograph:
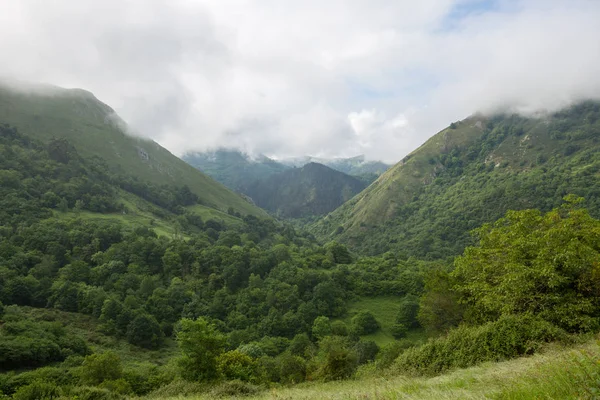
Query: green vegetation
x,y
556,373
461,178
303,192
234,169
96,304
48,113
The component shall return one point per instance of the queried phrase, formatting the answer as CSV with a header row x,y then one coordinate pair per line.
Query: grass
x,y
385,309
139,213
556,373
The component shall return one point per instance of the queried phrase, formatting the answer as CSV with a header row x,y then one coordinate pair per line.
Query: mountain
x,y
471,173
313,189
233,168
355,166
45,112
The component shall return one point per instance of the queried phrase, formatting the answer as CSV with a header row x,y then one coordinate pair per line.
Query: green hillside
x,y
311,190
471,173
92,127
234,169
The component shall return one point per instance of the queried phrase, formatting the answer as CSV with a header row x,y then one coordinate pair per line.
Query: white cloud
x,y
339,77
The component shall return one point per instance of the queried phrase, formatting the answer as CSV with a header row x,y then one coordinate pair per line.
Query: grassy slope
x,y
93,128
557,373
384,309
139,213
397,185
412,182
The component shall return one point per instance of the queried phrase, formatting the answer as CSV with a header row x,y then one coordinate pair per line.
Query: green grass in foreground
x,y
557,373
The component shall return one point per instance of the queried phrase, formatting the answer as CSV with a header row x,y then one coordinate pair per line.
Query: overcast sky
x,y
306,77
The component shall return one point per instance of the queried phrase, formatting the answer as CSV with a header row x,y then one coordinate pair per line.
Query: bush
x,y
336,360
366,350
390,353
509,337
399,331
235,365
292,369
37,390
92,393
364,323
339,328
98,368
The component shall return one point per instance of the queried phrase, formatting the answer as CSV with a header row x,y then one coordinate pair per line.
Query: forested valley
x,y
96,305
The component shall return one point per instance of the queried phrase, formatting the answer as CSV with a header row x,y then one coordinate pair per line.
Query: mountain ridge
x,y
468,174
95,130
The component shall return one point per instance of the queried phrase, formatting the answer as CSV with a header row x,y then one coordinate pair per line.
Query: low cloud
x,y
335,78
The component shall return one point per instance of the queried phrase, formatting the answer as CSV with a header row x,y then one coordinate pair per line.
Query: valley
x,y
467,270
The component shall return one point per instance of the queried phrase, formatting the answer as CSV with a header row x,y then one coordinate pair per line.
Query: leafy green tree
x,y
407,314
364,323
529,262
201,345
321,327
439,307
144,331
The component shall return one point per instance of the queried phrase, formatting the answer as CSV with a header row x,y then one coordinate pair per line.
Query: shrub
x,y
292,369
336,360
399,331
389,354
92,393
339,328
366,350
98,368
234,365
465,346
37,390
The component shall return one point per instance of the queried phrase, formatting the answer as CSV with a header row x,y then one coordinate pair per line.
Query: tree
x,y
407,314
201,345
529,262
364,323
321,327
439,307
144,331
